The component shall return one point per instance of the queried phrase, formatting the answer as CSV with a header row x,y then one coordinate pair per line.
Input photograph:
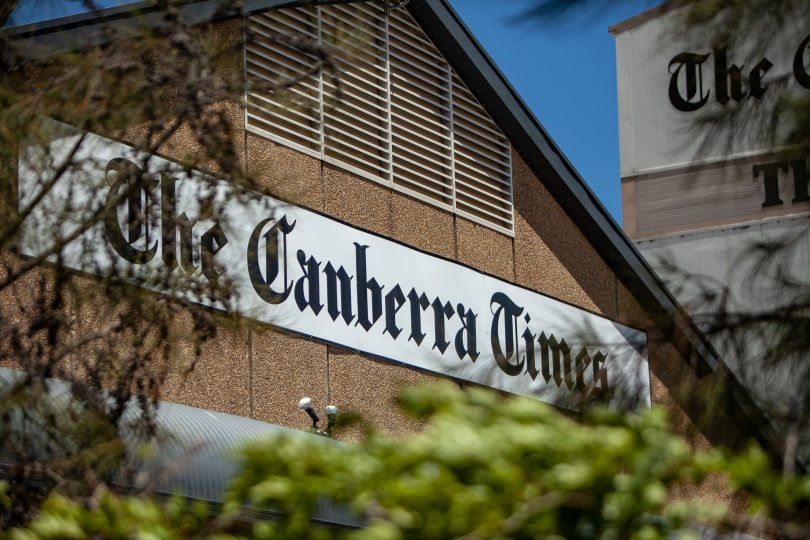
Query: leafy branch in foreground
x,y
484,467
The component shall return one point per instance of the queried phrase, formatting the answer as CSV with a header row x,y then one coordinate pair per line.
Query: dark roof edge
x,y
530,139
644,16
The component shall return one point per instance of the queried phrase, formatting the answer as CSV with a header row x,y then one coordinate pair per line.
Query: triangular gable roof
x,y
526,134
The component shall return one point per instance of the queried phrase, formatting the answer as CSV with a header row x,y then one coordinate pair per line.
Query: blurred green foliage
x,y
484,467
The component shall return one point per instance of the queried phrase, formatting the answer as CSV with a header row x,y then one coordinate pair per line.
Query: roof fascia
x,y
652,13
532,142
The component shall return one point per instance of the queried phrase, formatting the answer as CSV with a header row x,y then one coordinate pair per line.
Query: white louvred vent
x,y
420,112
388,108
356,119
483,162
283,95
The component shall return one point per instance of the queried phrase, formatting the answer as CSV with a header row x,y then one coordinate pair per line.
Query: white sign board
x,y
675,82
308,273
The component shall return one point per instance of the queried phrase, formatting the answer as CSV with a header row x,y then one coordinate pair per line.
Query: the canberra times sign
x,y
310,274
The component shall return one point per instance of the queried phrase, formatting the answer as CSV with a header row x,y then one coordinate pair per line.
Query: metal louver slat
x,y
463,179
261,124
280,25
487,199
483,160
464,115
271,67
471,131
433,154
414,70
475,163
263,110
394,111
423,51
476,209
418,100
427,166
356,124
336,18
364,145
434,189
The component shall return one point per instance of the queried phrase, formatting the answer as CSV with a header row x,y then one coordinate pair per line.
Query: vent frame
x,y
425,146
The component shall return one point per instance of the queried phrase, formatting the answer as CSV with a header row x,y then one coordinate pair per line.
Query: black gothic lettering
x,y
465,337
364,286
690,64
557,364
418,304
550,357
727,80
137,200
508,323
261,284
582,361
528,343
599,374
168,232
308,286
800,178
757,86
770,177
799,67
211,242
440,313
565,354
186,229
332,278
394,300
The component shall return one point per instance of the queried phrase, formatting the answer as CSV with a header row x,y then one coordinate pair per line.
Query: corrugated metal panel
x,y
707,196
720,255
198,449
719,261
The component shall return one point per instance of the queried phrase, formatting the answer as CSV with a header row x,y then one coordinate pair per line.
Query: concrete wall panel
x,y
359,202
285,173
220,380
184,145
551,254
369,387
223,42
485,249
629,311
20,302
285,368
422,226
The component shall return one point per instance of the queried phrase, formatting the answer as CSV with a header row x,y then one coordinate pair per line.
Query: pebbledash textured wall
x,y
257,371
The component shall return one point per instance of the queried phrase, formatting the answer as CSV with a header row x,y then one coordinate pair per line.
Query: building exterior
x,y
705,187
417,224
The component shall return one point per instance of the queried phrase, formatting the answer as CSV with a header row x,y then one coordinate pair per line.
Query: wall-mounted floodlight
x,y
305,404
331,417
